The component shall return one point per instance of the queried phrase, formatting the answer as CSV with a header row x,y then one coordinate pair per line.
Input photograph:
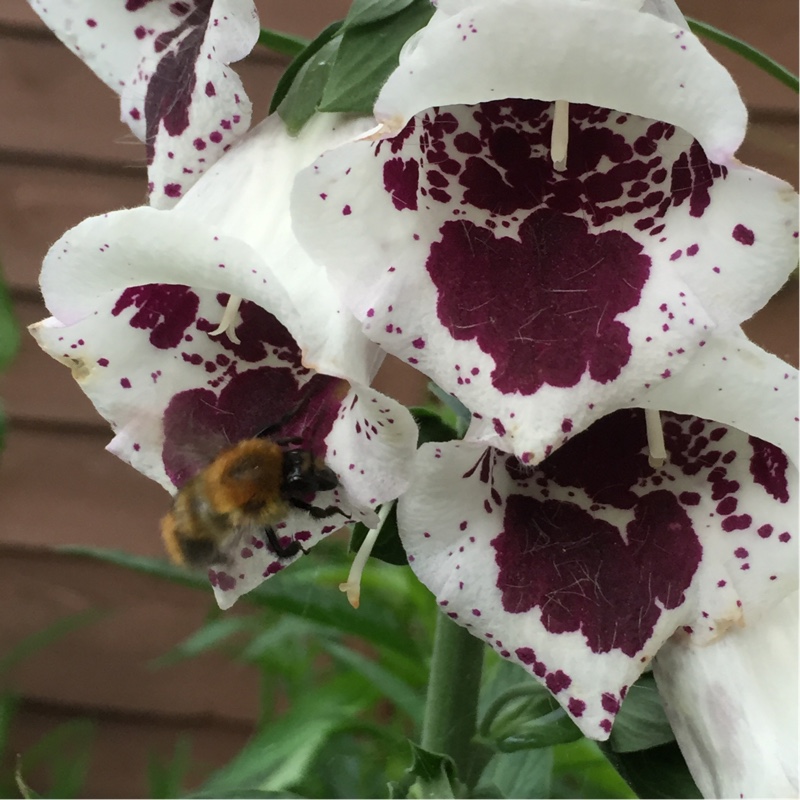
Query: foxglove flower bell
x,y
136,298
168,61
582,568
551,223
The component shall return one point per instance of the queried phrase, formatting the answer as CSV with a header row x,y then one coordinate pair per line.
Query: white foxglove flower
x,y
168,61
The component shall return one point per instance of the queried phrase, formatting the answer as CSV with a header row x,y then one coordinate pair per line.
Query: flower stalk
x,y
451,705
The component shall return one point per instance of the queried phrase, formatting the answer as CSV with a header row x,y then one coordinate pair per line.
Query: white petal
x,y
584,52
735,382
733,706
168,62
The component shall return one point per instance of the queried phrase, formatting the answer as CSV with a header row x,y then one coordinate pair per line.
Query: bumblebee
x,y
249,487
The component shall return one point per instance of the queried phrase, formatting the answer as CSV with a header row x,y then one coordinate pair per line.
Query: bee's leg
x,y
287,440
291,549
314,511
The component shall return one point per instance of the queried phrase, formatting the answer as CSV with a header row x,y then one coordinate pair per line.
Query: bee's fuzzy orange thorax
x,y
246,480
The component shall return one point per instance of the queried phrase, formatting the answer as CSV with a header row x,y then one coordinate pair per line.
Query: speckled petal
x,y
739,384
168,61
581,568
733,706
544,299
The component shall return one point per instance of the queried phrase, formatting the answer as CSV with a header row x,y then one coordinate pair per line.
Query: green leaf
x,y
9,330
520,775
581,770
753,55
300,60
63,754
659,772
211,635
388,546
431,775
235,794
57,630
294,593
641,722
284,43
280,754
367,56
432,428
166,780
457,408
527,717
362,12
405,697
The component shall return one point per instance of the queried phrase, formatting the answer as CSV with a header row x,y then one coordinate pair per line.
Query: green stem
x,y
284,43
451,706
761,60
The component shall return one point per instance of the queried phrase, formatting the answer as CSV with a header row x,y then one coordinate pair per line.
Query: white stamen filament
x,y
229,320
372,133
559,138
352,588
655,438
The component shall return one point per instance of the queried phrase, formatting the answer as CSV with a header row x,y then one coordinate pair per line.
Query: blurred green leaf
x,y
527,717
367,55
581,770
295,593
300,88
659,772
431,775
405,697
211,635
752,54
237,794
461,413
387,547
519,775
63,754
280,753
9,330
641,722
166,780
362,12
285,43
432,427
56,630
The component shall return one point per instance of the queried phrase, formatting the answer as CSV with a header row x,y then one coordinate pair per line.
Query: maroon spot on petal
x,y
92,23
199,144
140,32
737,523
743,235
576,707
498,426
609,703
166,311
727,506
689,498
768,466
215,136
346,211
401,180
785,537
741,552
173,189
605,724
765,531
558,681
102,362
199,423
210,90
581,575
543,307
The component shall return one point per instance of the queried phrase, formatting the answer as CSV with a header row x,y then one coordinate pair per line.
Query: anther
x,y
559,138
229,320
655,439
352,587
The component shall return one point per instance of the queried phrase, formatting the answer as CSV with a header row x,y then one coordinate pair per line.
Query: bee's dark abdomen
x,y
199,552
